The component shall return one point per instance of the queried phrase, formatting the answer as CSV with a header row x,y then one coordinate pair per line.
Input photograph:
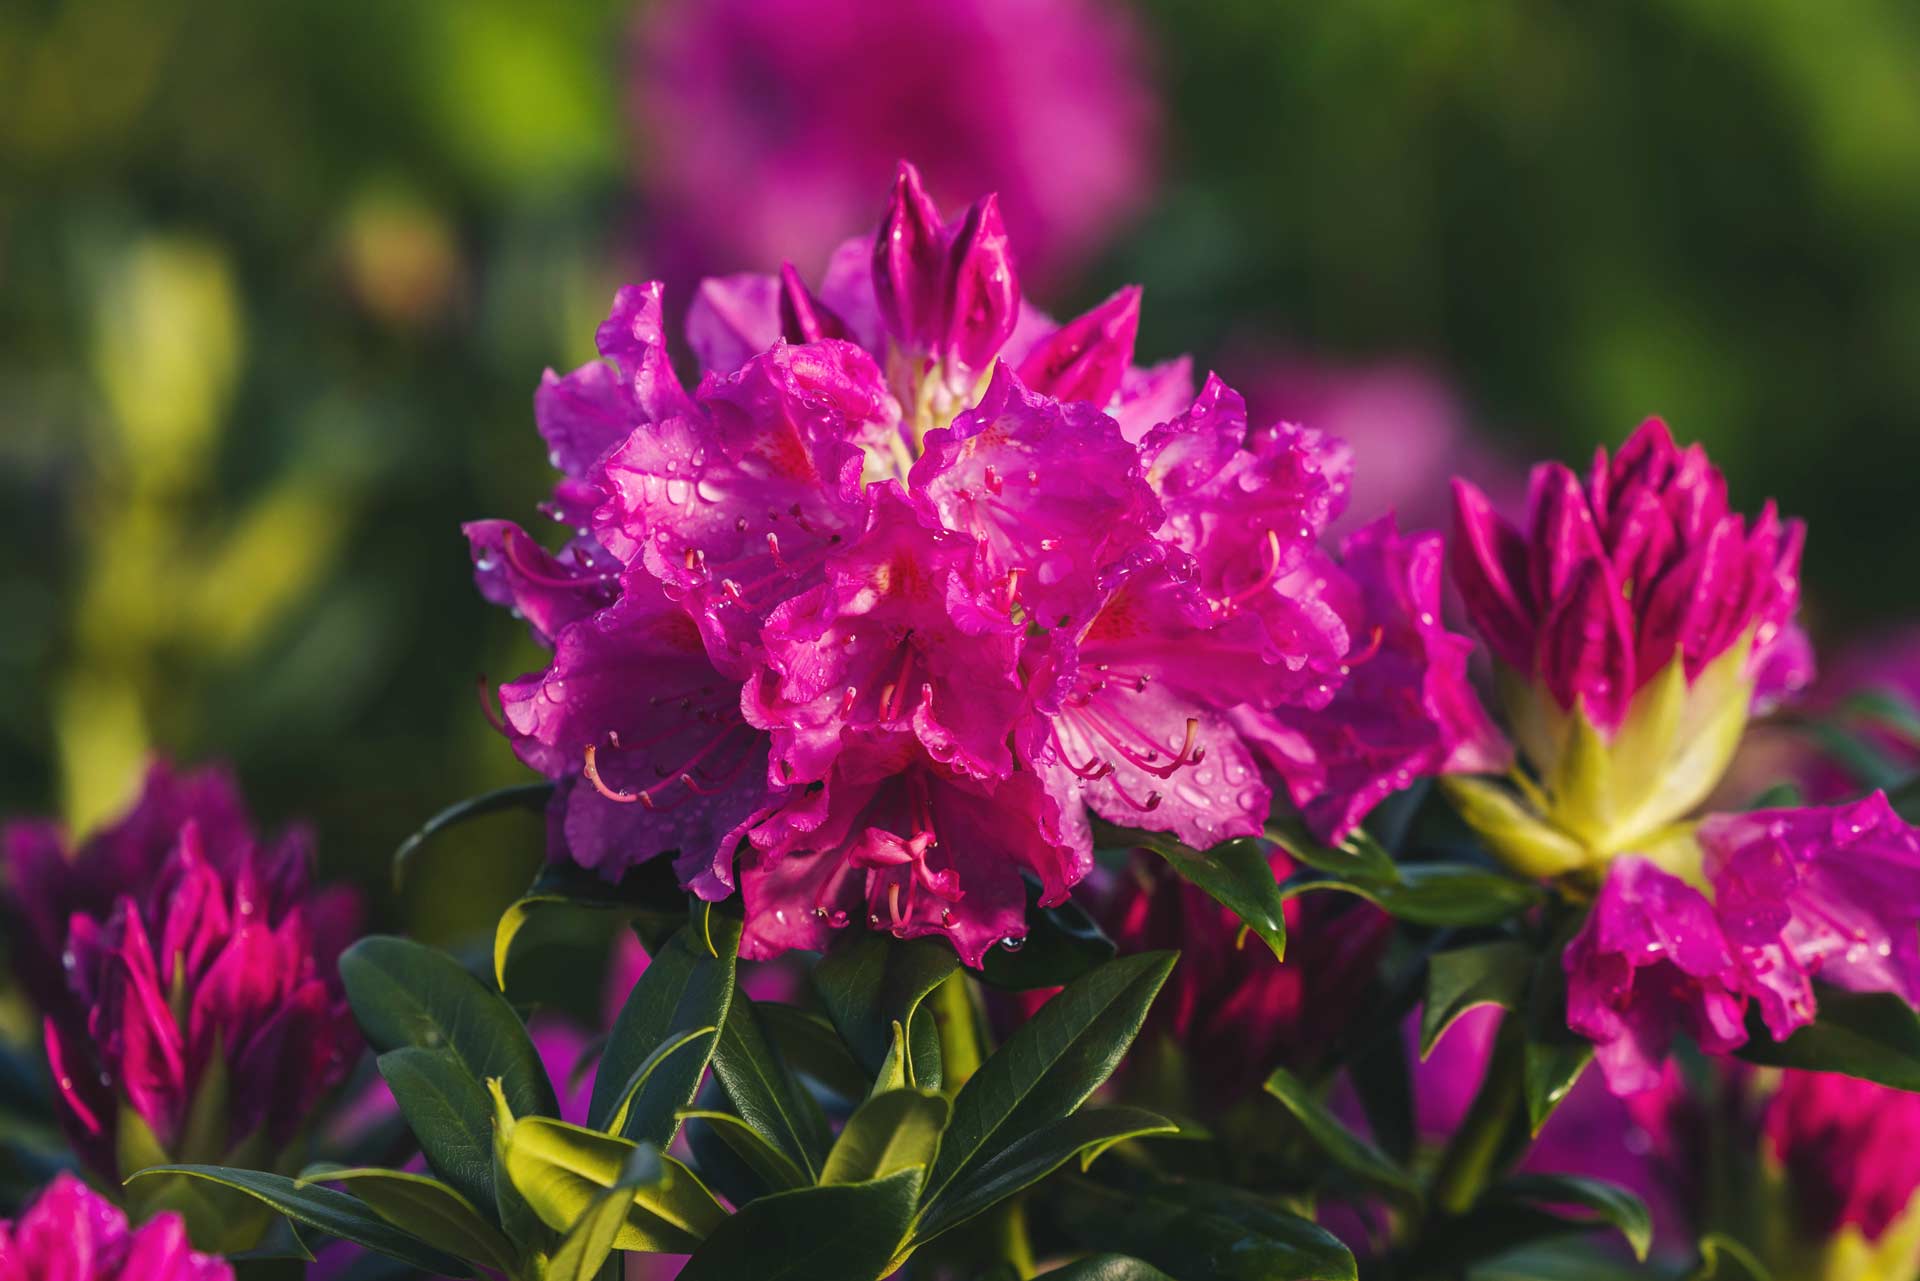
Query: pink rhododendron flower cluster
x,y
194,958
915,577
809,103
71,1233
1850,1150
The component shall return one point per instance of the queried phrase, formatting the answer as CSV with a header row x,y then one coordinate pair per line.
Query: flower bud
x,y
1086,358
71,1233
1635,625
910,264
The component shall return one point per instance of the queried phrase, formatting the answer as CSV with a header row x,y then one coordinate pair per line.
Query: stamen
x,y
511,546
1373,648
495,719
1266,579
592,771
1147,806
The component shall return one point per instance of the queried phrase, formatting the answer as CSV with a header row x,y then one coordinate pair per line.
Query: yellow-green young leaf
x,y
590,1241
891,1132
429,1209
896,1070
560,1169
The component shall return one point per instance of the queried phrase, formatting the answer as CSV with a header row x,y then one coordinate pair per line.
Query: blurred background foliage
x,y
277,283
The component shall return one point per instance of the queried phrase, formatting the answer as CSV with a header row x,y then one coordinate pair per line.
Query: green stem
x,y
1479,1149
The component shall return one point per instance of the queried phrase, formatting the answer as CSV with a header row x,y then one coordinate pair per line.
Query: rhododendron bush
x,y
1050,835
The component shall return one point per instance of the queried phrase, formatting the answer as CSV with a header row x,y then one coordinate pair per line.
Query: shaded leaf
x,y
1609,1202
1554,1055
1207,1232
1106,1267
870,981
1437,894
847,1232
774,1168
890,1132
1359,857
811,1046
449,1115
528,796
425,1207
764,1092
1494,973
1871,1035
1236,874
1062,943
1348,1150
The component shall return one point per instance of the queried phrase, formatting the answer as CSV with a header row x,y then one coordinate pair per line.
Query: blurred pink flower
x,y
71,1233
1850,1149
766,125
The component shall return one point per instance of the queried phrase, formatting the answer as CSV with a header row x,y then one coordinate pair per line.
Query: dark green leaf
x,y
1561,1260
1348,1150
1555,1055
425,1207
1238,875
1438,894
1359,857
1032,1157
847,1232
812,1047
772,1167
566,896
334,1213
764,1092
1724,1259
1207,1232
688,984
870,981
1062,943
1050,1064
1383,1079
449,1115
700,1038
890,1132
1609,1203
527,796
1488,974
403,993
1871,1035
1106,1267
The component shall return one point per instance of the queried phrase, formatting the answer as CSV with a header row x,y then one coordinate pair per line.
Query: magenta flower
x,y
1851,1153
1833,893
1636,623
914,579
1236,1012
71,1233
206,988
801,108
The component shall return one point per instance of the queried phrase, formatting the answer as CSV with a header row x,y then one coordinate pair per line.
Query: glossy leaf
x,y
1348,1150
565,894
449,1115
774,1168
528,796
869,981
1032,1157
334,1213
1050,1064
1609,1203
1554,1055
425,1207
846,1232
404,993
1062,943
697,1038
584,1251
1872,1035
1199,1231
1359,857
1106,1267
890,1132
688,984
1487,974
562,1169
764,1092
1236,874
812,1046
1436,894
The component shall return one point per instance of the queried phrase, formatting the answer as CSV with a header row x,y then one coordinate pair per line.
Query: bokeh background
x,y
277,283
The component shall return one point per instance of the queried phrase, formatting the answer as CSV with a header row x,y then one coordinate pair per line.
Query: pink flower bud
x,y
71,1233
1086,358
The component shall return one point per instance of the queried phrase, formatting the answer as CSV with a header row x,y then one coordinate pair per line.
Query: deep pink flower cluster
x,y
916,576
194,957
1832,892
807,104
71,1233
1850,1150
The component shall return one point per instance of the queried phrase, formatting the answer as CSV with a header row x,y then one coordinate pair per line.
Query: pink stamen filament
x,y
684,775
495,719
1265,580
510,545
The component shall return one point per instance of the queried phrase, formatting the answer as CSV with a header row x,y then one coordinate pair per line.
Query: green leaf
x,y
1609,1202
425,1207
1554,1055
764,1092
562,1169
1437,894
1724,1259
869,981
1465,978
1349,1151
584,1251
404,993
700,1036
334,1213
812,1047
775,1170
1871,1035
688,984
1238,875
1207,1232
890,1132
449,1115
552,908
1359,857
1032,1157
1561,1260
1062,943
1106,1267
527,796
1050,1064
847,1232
